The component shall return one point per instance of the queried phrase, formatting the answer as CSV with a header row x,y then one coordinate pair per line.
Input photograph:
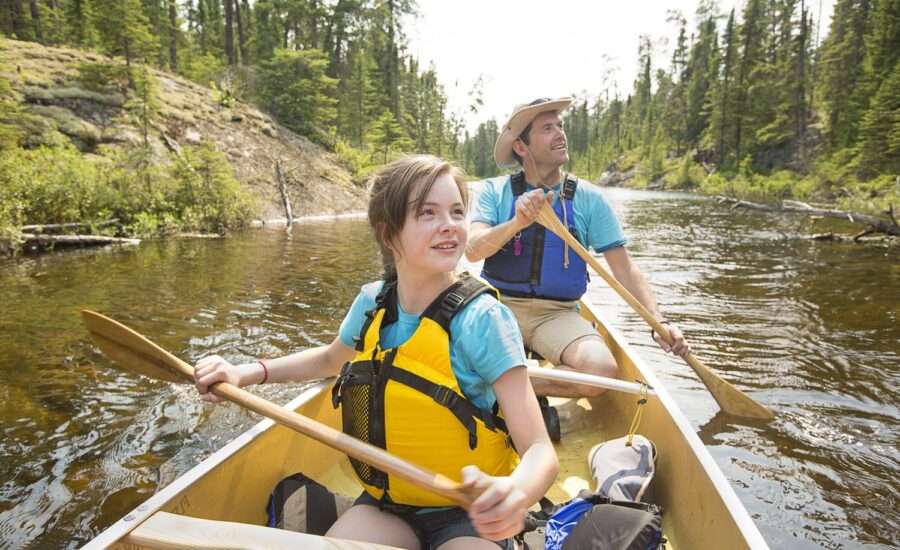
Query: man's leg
x,y
571,343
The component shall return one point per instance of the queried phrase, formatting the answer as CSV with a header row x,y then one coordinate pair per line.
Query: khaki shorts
x,y
549,326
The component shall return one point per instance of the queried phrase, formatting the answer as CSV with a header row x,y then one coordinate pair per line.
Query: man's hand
x,y
680,346
528,205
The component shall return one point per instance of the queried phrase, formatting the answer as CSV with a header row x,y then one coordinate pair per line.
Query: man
x,y
538,277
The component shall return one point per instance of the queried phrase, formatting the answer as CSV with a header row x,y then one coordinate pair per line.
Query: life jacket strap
x,y
464,410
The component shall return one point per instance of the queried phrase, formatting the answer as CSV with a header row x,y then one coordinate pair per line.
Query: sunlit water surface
x,y
808,329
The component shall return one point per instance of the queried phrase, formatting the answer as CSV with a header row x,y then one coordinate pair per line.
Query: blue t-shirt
x,y
594,218
484,340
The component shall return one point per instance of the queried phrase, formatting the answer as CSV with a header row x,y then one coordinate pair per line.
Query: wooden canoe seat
x,y
169,531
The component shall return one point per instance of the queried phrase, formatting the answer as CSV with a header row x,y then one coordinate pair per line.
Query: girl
x,y
427,356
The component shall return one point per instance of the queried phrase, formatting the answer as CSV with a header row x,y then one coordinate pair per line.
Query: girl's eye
x,y
458,212
426,212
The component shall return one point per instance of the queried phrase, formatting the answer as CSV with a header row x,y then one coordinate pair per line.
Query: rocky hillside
x,y
46,82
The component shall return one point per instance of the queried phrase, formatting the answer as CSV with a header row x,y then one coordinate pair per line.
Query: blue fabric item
x,y
489,346
563,521
595,220
514,271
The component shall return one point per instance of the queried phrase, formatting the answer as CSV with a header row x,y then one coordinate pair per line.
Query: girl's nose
x,y
447,224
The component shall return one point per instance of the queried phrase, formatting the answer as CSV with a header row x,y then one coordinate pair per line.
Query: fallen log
x,y
880,226
35,240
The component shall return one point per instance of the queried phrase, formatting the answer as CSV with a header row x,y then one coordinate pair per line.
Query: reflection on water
x,y
808,329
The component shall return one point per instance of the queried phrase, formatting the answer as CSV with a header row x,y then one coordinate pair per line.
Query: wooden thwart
x,y
167,531
571,377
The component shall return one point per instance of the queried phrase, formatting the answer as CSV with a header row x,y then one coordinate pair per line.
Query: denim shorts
x,y
433,526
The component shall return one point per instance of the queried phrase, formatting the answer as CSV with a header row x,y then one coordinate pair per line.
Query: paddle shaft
x,y
134,352
729,398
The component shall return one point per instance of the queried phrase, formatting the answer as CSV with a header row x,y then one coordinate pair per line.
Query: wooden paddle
x,y
729,398
133,352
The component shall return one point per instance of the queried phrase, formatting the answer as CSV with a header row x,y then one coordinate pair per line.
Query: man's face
x,y
547,140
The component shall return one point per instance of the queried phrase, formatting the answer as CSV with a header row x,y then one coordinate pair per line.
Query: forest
x,y
756,103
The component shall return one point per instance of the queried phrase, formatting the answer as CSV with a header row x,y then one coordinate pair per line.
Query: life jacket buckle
x,y
452,301
445,396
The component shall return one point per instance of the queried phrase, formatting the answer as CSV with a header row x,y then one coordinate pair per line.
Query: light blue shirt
x,y
484,340
594,219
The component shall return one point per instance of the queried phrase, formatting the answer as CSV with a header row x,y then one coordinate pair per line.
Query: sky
x,y
526,49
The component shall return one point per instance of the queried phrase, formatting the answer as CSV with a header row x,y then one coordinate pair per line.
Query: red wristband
x,y
265,373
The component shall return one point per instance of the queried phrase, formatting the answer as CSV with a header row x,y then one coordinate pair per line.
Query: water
x,y
808,329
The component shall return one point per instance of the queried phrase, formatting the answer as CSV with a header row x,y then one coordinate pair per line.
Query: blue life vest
x,y
532,263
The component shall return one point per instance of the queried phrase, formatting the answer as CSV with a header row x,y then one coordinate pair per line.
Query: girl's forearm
x,y
536,471
309,364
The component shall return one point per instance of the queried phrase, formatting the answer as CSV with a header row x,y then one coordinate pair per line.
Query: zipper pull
x,y
517,244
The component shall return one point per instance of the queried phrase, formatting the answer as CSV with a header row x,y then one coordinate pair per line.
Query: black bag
x,y
618,525
300,504
608,524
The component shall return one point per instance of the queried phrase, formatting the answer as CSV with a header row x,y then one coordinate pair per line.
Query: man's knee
x,y
591,356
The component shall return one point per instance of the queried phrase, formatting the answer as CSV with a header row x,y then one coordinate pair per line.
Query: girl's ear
x,y
380,228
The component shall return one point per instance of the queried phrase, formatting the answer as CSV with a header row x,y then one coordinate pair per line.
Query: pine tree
x,y
842,56
295,88
125,30
387,137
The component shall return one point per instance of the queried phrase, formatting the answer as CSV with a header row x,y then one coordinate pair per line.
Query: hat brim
x,y
503,151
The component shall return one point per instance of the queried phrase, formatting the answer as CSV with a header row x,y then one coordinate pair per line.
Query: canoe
x,y
221,502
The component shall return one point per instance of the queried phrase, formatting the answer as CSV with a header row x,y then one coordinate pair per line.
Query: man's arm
x,y
632,278
485,240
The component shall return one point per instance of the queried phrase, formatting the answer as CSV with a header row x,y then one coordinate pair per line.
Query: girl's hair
x,y
391,192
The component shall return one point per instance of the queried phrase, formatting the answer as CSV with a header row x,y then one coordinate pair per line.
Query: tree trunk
x,y
229,34
36,20
173,35
242,37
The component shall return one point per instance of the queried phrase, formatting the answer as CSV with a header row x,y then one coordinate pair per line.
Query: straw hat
x,y
521,117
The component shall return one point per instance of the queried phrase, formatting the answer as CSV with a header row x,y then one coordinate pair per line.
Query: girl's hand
x,y
499,512
212,369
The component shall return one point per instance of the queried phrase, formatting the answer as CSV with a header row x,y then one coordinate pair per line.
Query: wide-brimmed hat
x,y
521,117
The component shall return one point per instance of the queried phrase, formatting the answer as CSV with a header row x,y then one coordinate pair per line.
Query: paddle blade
x,y
730,399
131,351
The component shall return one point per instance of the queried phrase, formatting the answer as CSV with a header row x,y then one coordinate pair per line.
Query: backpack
x,y
300,504
624,471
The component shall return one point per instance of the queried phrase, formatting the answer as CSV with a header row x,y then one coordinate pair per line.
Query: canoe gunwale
x,y
114,533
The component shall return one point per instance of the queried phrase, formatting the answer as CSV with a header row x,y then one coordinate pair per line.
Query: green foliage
x,y
52,185
104,77
295,86
125,30
686,175
10,115
879,144
388,138
207,196
60,185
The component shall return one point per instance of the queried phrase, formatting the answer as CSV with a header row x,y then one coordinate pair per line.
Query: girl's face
x,y
434,238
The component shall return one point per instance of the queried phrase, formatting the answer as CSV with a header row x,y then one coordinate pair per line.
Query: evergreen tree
x,y
388,138
125,30
295,88
841,66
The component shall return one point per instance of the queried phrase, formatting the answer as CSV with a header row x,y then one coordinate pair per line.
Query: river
x,y
808,329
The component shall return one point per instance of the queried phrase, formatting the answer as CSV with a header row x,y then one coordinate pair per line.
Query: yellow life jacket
x,y
407,401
